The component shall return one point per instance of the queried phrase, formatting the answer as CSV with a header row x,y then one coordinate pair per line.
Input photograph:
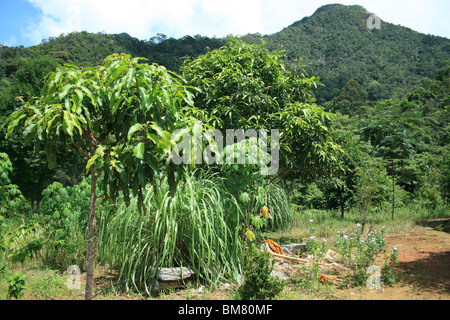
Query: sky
x,y
28,22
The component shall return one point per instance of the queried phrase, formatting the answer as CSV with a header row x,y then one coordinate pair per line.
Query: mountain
x,y
334,44
337,45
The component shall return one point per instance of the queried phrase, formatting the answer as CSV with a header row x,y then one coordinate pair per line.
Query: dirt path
x,y
424,269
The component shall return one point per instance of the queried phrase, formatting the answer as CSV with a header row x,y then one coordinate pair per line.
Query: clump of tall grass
x,y
281,209
197,227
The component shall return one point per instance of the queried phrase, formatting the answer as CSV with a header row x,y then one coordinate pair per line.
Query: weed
x,y
17,286
258,283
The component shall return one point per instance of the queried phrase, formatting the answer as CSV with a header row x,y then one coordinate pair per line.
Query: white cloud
x,y
11,42
139,18
144,18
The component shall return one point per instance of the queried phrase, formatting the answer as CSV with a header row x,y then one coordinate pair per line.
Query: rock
x,y
293,248
173,274
171,278
279,274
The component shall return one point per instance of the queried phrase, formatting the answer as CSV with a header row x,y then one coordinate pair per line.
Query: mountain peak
x,y
326,12
338,42
337,6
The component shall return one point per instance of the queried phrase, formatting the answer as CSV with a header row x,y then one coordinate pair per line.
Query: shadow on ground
x,y
436,224
429,273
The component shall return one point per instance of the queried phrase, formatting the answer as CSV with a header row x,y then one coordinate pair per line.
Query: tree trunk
x,y
74,178
393,191
91,249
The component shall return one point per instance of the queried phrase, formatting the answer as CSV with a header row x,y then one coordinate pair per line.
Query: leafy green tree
x,y
350,100
372,186
10,195
445,176
390,128
246,86
118,116
339,188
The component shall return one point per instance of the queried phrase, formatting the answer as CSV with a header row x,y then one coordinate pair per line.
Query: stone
x,y
173,274
171,278
279,274
293,248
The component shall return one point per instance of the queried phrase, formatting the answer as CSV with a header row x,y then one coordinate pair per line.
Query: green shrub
x,y
17,286
65,211
258,283
10,196
360,252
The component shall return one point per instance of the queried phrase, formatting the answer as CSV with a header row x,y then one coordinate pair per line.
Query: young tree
x,y
389,127
118,116
10,195
246,86
372,186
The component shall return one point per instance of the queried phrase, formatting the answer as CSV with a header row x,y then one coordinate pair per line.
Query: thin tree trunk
x,y
90,252
74,178
393,191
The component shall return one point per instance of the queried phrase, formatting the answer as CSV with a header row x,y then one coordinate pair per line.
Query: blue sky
x,y
27,22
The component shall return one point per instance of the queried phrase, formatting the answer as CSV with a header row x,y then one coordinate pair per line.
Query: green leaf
x,y
244,197
139,150
30,133
129,77
134,128
98,153
250,235
257,222
68,123
65,91
153,137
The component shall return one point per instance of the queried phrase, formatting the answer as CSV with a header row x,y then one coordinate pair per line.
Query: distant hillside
x,y
334,44
87,49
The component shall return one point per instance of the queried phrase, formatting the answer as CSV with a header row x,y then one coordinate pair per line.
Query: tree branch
x,y
277,177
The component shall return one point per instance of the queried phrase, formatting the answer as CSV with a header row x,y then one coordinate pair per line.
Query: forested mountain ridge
x,y
337,45
334,44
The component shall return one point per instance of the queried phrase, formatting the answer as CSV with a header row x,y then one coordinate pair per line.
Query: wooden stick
x,y
286,257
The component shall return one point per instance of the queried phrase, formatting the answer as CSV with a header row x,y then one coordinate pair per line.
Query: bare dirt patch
x,y
423,271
